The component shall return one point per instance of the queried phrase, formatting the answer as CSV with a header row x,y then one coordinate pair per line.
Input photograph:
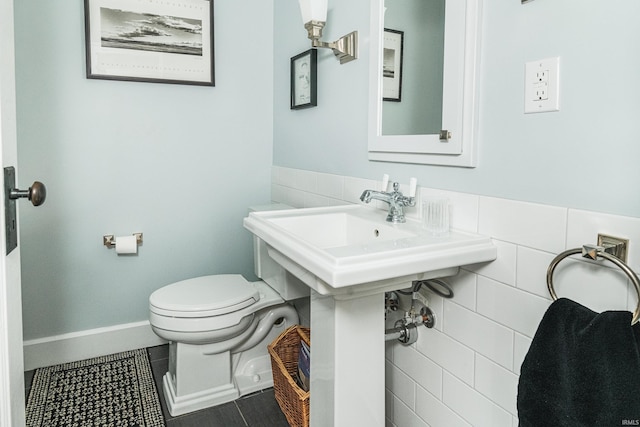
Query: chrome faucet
x,y
396,200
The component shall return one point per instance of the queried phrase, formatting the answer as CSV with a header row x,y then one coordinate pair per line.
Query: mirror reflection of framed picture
x,y
304,88
392,65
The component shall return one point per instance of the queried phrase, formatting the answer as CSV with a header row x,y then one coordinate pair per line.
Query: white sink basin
x,y
347,249
328,230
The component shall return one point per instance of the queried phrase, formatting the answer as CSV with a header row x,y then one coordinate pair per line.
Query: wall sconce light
x,y
314,17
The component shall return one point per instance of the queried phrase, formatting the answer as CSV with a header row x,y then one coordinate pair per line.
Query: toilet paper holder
x,y
109,240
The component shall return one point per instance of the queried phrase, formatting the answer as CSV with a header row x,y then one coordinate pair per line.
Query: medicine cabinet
x,y
457,39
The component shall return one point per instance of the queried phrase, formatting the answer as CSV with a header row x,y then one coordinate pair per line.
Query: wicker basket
x,y
284,351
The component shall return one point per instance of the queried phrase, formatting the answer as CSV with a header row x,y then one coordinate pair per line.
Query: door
x,y
11,354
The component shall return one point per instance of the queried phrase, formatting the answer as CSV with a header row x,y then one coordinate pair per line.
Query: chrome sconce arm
x,y
345,48
314,18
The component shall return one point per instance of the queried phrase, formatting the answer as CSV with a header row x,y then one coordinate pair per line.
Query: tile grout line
x,y
241,414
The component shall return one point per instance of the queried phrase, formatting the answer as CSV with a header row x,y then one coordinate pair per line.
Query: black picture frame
x,y
304,74
152,41
392,59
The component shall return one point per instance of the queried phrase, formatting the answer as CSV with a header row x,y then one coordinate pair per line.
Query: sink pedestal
x,y
347,361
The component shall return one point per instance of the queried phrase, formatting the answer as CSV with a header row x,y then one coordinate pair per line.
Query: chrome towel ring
x,y
589,251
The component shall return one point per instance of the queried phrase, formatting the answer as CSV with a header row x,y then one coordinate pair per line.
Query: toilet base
x,y
179,405
254,376
201,376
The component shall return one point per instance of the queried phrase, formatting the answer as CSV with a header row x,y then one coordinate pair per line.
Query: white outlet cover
x,y
542,85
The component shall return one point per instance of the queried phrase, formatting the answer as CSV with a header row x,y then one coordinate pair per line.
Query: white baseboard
x,y
76,346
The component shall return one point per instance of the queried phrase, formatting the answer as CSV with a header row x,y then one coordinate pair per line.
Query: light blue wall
x,y
585,156
328,137
179,163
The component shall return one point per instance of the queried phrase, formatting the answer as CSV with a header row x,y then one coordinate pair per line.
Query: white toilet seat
x,y
204,296
209,303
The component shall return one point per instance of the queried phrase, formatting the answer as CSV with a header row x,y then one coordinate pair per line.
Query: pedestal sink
x,y
349,256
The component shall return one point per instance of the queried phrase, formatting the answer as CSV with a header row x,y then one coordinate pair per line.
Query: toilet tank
x,y
287,285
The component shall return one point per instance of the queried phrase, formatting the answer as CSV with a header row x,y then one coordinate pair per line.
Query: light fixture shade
x,y
313,10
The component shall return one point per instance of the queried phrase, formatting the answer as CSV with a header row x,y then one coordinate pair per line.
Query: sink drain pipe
x,y
405,329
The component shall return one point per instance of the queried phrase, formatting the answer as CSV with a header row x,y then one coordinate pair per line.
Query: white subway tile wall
x,y
465,371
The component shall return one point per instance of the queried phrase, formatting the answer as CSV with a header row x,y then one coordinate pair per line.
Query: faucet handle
x,y
413,182
385,182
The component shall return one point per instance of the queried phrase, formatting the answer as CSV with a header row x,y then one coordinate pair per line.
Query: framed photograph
x,y
392,65
150,41
304,88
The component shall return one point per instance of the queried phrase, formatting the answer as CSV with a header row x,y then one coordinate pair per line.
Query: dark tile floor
x,y
259,409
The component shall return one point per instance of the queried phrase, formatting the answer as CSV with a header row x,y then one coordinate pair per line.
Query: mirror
x,y
429,111
412,67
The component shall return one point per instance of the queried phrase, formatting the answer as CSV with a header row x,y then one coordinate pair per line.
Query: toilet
x,y
218,328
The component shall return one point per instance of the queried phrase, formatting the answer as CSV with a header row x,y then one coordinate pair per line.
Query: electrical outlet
x,y
542,81
541,86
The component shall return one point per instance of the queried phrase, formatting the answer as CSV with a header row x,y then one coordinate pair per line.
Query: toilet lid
x,y
204,296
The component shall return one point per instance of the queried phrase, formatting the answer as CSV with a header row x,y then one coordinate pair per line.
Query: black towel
x,y
582,369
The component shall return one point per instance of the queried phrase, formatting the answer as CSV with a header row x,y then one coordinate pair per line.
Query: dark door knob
x,y
37,193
